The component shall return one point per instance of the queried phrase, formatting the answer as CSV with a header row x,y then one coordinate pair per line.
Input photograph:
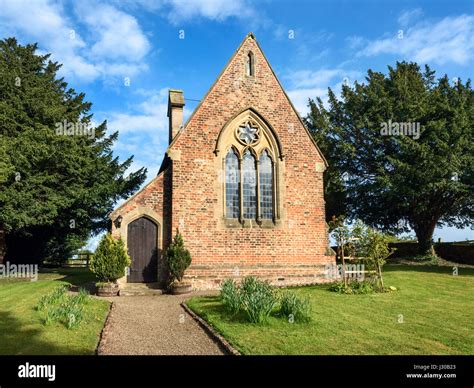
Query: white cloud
x,y
299,98
307,78
149,5
306,84
117,35
99,41
183,10
74,65
46,23
355,42
409,16
150,115
125,122
449,40
179,11
321,78
121,69
144,132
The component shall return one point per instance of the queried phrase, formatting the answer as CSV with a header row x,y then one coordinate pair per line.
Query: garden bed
x,y
431,313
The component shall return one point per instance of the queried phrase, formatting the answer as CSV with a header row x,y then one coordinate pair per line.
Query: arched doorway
x,y
142,242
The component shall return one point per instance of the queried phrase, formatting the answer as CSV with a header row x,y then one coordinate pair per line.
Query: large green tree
x,y
56,190
399,181
326,136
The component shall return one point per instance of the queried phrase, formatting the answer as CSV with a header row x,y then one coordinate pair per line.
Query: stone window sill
x,y
251,224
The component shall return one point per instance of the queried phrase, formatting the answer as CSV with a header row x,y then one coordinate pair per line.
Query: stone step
x,y
126,292
140,289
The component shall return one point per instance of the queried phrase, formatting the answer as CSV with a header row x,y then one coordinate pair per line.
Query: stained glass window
x,y
232,197
249,185
266,187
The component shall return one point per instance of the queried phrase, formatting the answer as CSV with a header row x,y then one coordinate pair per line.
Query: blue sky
x,y
126,54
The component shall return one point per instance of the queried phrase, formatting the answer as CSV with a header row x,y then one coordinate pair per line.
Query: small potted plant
x,y
179,259
108,264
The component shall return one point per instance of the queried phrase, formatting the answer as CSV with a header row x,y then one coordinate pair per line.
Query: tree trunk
x,y
424,234
379,273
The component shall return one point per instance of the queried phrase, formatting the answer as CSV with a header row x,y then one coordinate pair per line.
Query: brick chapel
x,y
242,180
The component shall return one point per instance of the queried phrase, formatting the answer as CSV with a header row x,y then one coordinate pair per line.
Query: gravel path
x,y
154,325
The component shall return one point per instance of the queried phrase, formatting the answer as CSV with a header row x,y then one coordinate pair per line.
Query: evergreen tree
x,y
397,181
56,190
325,136
178,257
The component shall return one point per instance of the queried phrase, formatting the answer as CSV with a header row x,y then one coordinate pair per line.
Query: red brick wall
x,y
152,196
156,197
167,206
296,251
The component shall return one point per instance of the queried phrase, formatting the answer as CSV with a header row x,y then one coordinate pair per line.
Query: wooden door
x,y
142,248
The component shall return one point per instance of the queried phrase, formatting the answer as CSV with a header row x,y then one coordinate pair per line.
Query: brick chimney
x,y
175,112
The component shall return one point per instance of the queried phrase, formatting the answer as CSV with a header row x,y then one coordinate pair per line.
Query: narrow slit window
x,y
266,186
232,197
250,66
249,186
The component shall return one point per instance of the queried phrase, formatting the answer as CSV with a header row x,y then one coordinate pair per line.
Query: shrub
x,y
373,247
258,299
364,287
178,257
295,308
338,287
110,259
231,296
426,259
52,298
58,306
251,284
82,296
71,312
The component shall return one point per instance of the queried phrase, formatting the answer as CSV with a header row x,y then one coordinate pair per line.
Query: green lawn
x,y
437,309
21,329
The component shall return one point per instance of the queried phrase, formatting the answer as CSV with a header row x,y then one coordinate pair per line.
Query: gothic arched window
x,y
252,168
